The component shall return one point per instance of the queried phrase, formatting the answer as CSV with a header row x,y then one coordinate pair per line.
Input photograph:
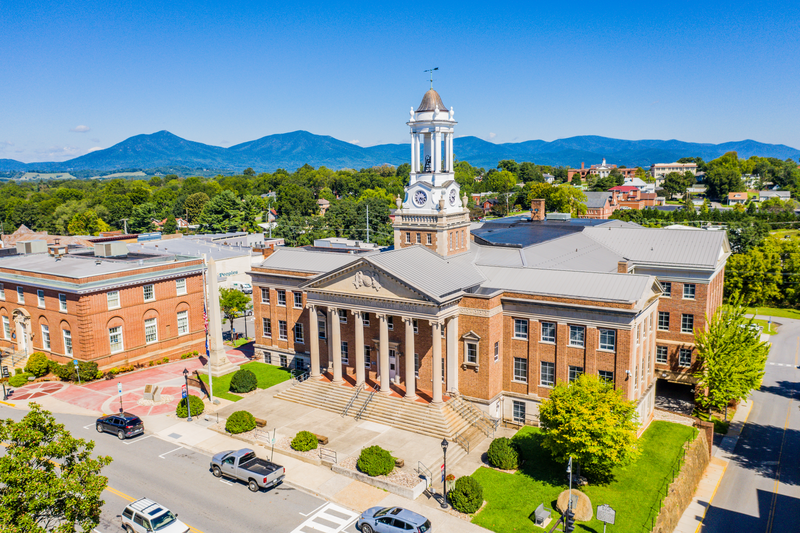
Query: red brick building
x,y
115,310
630,197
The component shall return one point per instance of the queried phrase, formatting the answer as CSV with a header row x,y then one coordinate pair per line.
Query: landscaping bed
x,y
397,481
267,375
635,493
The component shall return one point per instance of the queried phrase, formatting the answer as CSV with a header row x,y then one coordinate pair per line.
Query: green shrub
x,y
375,461
243,381
239,422
467,495
304,441
195,403
18,380
503,454
88,371
18,371
38,364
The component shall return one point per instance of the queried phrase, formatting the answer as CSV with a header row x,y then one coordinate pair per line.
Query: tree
x,y
755,275
591,422
193,206
231,303
568,199
294,199
576,180
170,226
529,172
502,183
675,184
731,357
222,213
744,236
249,172
142,218
509,165
87,223
48,479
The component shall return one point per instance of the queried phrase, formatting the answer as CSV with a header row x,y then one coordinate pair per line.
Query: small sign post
x,y
606,515
119,391
77,370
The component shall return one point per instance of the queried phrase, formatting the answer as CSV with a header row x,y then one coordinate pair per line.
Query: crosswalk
x,y
330,518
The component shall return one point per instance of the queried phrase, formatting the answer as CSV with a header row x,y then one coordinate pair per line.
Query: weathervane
x,y
431,71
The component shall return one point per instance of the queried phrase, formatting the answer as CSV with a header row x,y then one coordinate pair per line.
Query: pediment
x,y
470,336
364,279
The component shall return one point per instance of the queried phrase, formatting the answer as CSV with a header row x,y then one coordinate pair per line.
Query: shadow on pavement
x,y
784,517
759,447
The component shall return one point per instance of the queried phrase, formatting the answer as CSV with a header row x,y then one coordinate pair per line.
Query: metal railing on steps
x,y
462,441
475,417
366,402
359,388
328,456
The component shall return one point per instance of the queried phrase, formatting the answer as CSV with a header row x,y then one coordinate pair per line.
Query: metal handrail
x,y
464,443
299,378
328,454
359,388
425,472
366,402
475,417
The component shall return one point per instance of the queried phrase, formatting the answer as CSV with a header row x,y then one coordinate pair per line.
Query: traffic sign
x,y
119,389
75,362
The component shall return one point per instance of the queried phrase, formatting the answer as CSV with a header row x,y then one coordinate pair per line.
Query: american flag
x,y
205,318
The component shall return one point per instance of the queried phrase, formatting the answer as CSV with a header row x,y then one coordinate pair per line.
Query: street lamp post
x,y
188,405
444,476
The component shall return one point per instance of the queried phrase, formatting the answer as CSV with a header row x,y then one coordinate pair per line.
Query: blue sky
x,y
81,75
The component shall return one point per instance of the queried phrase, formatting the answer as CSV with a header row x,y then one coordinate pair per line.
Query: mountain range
x,y
293,150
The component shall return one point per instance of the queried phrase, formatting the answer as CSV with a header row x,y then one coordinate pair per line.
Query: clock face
x,y
453,197
420,198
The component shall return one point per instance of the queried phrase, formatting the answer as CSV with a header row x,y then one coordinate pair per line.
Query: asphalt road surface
x,y
180,479
760,491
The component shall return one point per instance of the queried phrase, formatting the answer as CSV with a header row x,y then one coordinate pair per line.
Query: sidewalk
x,y
695,513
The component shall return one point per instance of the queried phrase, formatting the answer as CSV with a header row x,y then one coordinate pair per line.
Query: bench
x,y
540,515
321,439
398,463
260,422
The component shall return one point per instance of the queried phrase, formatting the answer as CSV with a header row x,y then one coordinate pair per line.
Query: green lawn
x,y
774,312
636,490
267,375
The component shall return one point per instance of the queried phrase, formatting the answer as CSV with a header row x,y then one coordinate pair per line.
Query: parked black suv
x,y
123,425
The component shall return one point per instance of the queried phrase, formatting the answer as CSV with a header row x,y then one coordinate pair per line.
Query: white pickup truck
x,y
245,466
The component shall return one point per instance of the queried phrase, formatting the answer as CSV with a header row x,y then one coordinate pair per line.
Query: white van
x,y
243,287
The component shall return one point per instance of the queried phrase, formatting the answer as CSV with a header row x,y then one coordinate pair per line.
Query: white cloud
x,y
492,135
58,153
354,141
80,129
96,148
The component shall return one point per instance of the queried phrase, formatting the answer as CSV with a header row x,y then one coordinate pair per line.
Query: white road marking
x,y
226,482
325,513
87,426
128,443
315,510
165,453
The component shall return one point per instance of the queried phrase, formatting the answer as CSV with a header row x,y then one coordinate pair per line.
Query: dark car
x,y
392,520
123,425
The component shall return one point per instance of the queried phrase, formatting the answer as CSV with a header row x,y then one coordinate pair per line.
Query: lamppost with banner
x,y
444,474
186,395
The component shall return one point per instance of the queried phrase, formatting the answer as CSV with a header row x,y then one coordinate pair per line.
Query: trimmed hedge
x,y
375,461
243,381
239,422
195,403
503,454
467,495
88,371
38,364
304,441
18,380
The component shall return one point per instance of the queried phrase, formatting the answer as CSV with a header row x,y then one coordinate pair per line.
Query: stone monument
x,y
218,362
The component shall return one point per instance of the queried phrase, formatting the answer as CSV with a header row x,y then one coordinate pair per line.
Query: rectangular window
x,y
343,316
183,322
390,322
264,295
661,355
321,323
416,365
549,332
367,356
429,238
472,353
40,297
67,341
408,237
150,330
548,377
649,366
416,326
6,328
687,323
115,339
638,335
266,327
284,360
650,321
667,289
20,295
608,339
298,333
419,238
298,300
149,293
518,411
520,328
688,291
62,303
282,330
576,336
366,320
636,377
345,353
180,286
520,369
2,292
496,351
574,372
45,337
663,321
281,297
685,358
112,297
607,376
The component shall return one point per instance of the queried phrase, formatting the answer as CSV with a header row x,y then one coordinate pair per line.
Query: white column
x,y
313,325
336,344
452,354
411,378
359,316
450,163
437,152
383,364
446,153
416,152
436,361
413,150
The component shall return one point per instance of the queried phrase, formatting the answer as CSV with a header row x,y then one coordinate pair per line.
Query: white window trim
x,y
573,345
121,340
541,332
155,323
264,290
46,335
20,295
264,322
599,341
278,293
178,322
694,291
40,301
527,329
67,334
514,370
302,333
144,292
119,300
295,295
62,302
177,287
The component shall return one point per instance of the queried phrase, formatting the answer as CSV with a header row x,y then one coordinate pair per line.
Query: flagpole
x,y
205,326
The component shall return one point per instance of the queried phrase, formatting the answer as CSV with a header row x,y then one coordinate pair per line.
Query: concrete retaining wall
x,y
405,492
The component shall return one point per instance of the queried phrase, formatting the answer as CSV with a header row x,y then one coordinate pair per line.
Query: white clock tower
x,y
433,212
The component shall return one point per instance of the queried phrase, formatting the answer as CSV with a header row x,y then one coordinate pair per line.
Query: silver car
x,y
146,516
392,520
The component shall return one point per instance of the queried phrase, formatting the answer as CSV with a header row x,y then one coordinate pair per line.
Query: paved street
x,y
760,490
180,479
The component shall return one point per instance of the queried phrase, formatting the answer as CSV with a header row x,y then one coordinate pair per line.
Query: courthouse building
x,y
492,315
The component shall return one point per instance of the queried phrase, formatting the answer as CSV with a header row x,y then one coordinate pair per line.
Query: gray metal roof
x,y
701,249
596,200
302,260
193,247
572,252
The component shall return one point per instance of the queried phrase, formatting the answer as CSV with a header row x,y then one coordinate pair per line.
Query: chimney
x,y
581,165
266,252
622,267
537,210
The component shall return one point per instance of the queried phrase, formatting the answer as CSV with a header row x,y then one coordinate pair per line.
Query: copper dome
x,y
430,101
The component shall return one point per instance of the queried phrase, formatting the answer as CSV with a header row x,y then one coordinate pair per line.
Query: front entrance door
x,y
22,340
392,364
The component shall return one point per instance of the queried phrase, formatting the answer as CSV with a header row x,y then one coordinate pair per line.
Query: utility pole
x,y
367,223
125,225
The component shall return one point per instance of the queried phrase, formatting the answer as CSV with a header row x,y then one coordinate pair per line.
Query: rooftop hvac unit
x,y
110,249
32,247
559,216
